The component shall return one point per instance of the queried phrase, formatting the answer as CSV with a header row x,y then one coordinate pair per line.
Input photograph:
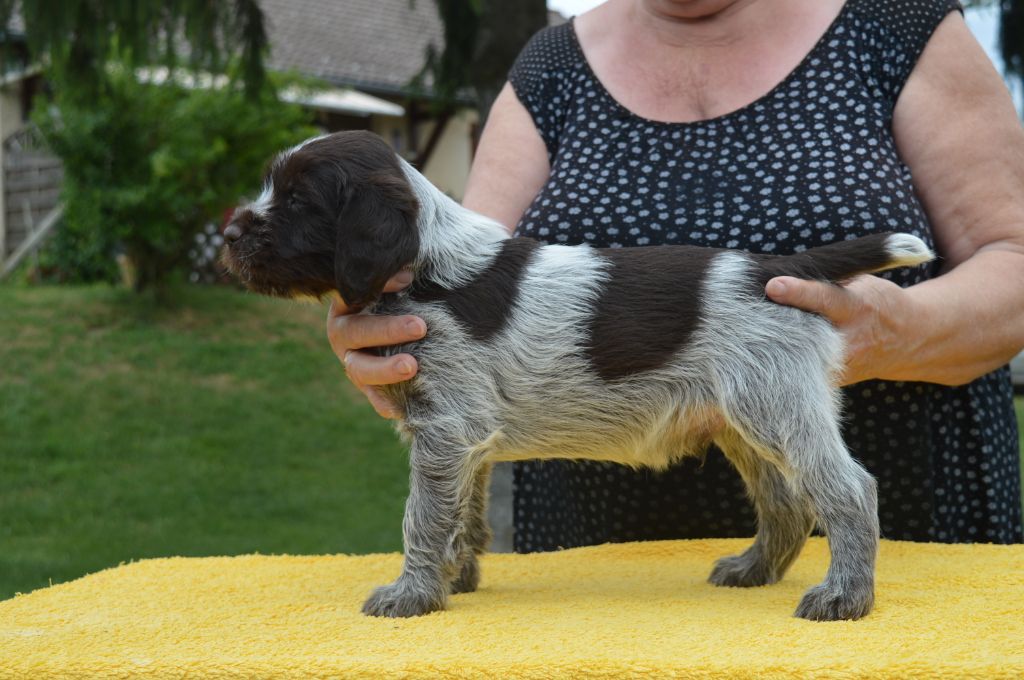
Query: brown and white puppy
x,y
639,356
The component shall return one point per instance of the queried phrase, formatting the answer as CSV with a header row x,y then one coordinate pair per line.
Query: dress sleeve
x,y
541,77
898,31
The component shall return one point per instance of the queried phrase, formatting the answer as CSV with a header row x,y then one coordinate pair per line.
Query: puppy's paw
x,y
827,603
742,571
397,600
468,578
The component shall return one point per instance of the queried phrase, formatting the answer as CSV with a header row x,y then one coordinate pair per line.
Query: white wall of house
x,y
10,122
394,130
448,166
10,110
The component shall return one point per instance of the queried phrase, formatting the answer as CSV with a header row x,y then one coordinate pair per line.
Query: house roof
x,y
343,100
375,45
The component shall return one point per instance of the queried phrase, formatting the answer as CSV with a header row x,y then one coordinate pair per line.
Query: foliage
x,y
222,426
482,39
1011,35
147,166
1011,32
78,39
449,69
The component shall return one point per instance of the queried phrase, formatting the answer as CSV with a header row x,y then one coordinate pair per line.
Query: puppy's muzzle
x,y
242,222
232,233
241,247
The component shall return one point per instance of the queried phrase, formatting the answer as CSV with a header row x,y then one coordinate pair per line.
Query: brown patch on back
x,y
649,308
483,306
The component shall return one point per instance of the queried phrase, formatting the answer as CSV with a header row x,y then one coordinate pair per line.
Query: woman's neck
x,y
696,22
691,60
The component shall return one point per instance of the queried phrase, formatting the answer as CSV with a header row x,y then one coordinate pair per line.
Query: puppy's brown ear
x,y
377,236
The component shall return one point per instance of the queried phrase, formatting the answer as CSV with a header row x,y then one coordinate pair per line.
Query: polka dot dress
x,y
809,163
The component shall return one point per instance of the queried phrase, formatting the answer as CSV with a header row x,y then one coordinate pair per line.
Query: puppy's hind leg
x,y
846,501
804,429
476,533
440,487
784,519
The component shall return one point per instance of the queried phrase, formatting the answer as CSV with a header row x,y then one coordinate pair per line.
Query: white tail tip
x,y
907,250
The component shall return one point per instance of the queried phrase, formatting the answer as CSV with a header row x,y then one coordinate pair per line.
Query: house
x,y
370,51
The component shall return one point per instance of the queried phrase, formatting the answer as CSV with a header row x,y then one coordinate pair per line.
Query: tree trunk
x,y
505,27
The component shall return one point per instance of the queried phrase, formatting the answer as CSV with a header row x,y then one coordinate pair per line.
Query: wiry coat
x,y
636,356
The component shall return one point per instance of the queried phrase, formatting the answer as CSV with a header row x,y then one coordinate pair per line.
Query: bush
x,y
147,166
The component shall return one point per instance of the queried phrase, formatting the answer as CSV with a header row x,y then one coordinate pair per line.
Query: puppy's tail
x,y
845,259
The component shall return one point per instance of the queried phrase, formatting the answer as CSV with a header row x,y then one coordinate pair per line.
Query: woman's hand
x,y
873,315
349,333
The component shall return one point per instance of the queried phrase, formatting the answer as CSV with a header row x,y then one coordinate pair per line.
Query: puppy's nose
x,y
232,232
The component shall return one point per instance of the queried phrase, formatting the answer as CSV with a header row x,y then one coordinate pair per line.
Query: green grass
x,y
222,426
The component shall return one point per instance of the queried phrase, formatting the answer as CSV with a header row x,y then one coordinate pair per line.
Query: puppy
x,y
639,356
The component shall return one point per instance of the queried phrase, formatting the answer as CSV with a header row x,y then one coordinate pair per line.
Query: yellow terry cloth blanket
x,y
629,610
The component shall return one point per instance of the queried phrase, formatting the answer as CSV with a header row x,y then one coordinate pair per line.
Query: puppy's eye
x,y
295,201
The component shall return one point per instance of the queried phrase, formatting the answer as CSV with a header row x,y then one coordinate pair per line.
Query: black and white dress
x,y
809,163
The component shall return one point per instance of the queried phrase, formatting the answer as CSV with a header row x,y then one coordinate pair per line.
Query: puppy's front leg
x,y
476,533
440,485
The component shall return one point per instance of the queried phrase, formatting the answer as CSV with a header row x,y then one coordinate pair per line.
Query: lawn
x,y
221,426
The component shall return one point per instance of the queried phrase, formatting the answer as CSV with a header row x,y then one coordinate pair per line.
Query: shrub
x,y
147,166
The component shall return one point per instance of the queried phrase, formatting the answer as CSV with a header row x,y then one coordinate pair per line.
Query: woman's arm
x,y
956,129
511,165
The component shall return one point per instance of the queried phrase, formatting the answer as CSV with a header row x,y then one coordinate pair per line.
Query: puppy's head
x,y
336,213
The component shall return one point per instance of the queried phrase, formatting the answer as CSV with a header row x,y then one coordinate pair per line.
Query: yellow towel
x,y
635,609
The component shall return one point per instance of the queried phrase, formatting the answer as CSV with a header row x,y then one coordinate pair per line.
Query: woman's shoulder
x,y
908,19
890,36
544,77
550,50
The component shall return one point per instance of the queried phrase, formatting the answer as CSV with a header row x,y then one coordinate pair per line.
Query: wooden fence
x,y
32,180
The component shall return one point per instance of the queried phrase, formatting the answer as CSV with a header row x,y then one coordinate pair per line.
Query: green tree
x,y
1011,36
77,39
481,41
147,166
1011,33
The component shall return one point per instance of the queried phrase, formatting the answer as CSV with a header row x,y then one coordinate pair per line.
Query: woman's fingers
x,y
349,333
383,407
366,369
872,313
833,302
396,283
359,332
338,308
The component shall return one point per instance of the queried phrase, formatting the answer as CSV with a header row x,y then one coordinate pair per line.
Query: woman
x,y
773,126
